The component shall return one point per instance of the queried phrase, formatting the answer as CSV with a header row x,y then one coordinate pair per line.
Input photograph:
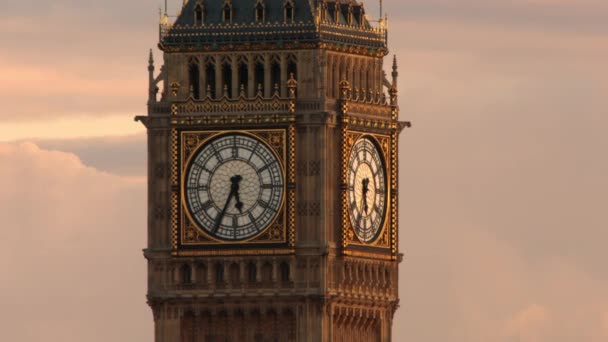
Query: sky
x,y
503,176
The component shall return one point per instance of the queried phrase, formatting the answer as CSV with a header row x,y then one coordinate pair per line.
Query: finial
x,y
151,58
395,73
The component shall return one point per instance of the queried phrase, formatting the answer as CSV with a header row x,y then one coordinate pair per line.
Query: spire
x,y
393,92
151,60
152,88
395,72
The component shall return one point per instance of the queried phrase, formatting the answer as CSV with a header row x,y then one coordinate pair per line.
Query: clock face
x,y
234,187
366,189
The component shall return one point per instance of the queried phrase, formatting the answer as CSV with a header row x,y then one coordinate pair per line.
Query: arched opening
x,y
289,15
267,273
244,77
260,13
210,76
276,76
194,78
292,69
227,13
201,274
284,272
252,272
186,274
235,274
219,274
259,77
198,15
227,77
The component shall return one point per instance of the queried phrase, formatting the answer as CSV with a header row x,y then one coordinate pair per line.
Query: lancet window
x,y
210,77
194,78
227,12
241,75
289,11
260,12
199,15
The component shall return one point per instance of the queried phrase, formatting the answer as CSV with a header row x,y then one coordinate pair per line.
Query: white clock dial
x,y
366,189
234,187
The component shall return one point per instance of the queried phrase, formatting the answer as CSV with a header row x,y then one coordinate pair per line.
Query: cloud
x,y
121,155
70,250
72,58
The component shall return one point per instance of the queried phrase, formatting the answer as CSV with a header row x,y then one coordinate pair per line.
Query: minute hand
x,y
220,216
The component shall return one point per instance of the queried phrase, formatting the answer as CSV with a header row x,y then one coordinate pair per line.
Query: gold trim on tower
x,y
385,242
188,239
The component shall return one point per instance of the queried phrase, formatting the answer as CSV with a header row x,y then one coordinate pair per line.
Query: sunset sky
x,y
503,177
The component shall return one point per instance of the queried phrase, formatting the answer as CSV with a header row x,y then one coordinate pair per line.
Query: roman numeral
x,y
271,186
253,220
253,150
265,167
216,153
204,207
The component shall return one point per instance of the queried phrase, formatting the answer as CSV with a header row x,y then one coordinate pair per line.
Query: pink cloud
x,y
70,250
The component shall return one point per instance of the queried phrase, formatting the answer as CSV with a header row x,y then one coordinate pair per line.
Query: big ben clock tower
x,y
272,174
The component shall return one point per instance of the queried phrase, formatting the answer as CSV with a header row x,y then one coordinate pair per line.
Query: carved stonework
x,y
295,85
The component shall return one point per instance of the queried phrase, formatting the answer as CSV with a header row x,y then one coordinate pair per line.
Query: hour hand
x,y
365,185
238,205
235,190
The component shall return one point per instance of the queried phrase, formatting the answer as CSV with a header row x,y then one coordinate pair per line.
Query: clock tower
x,y
272,174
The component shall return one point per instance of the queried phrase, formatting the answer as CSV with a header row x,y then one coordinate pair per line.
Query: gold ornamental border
x,y
179,213
386,238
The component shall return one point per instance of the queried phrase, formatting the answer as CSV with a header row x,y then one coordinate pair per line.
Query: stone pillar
x,y
284,75
219,79
268,86
235,77
202,67
251,86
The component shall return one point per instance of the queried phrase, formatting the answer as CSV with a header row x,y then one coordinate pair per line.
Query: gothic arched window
x,y
219,273
186,273
284,272
198,15
194,78
289,12
252,272
210,76
260,13
227,13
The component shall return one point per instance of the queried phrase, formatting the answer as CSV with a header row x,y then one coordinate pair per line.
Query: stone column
x,y
219,79
251,88
268,88
284,75
235,77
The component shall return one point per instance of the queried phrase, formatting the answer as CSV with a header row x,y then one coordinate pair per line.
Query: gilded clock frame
x,y
384,246
188,239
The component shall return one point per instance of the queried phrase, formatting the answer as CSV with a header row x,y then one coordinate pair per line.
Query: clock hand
x,y
365,184
220,216
235,188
